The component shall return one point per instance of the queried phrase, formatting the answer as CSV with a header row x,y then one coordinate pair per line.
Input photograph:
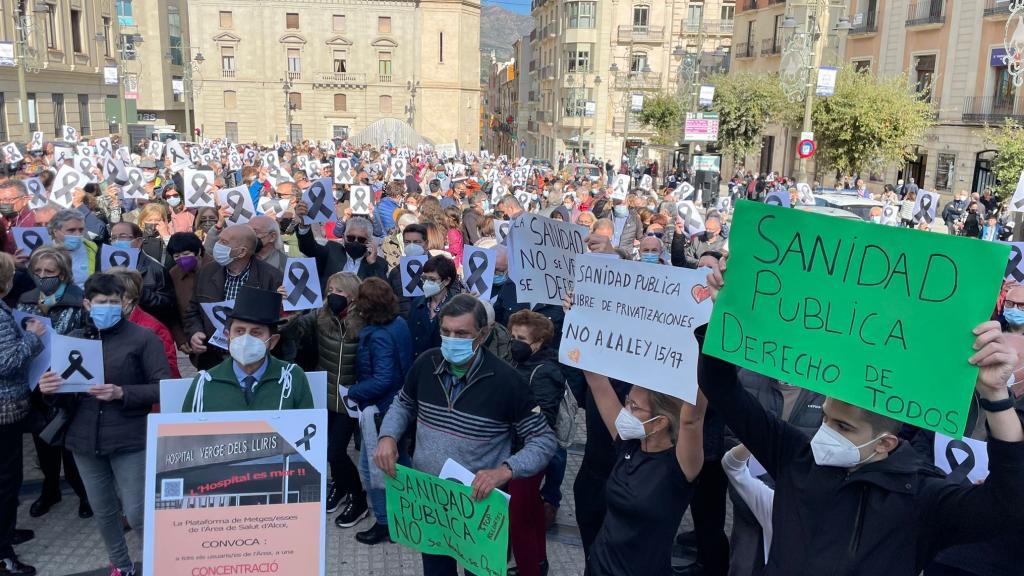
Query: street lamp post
x,y
23,26
628,96
126,50
580,105
410,109
189,71
1013,43
803,55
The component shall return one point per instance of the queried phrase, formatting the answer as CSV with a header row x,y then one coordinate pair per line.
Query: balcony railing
x,y
294,75
629,33
227,73
713,27
638,80
339,79
384,78
926,12
744,49
771,46
865,27
635,127
997,7
989,110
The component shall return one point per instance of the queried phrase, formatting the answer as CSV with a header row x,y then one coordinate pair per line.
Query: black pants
x,y
50,459
589,496
340,428
10,484
708,510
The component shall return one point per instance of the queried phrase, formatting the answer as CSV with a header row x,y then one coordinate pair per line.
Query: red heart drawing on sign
x,y
700,293
574,355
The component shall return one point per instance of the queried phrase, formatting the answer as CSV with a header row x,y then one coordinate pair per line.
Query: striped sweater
x,y
470,421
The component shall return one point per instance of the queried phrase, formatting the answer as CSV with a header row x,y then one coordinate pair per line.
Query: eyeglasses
x,y
657,235
1012,304
633,407
359,239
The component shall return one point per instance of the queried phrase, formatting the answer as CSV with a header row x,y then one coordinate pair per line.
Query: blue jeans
x,y
103,477
551,491
377,496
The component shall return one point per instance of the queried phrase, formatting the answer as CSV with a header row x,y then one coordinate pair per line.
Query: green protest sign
x,y
876,316
438,516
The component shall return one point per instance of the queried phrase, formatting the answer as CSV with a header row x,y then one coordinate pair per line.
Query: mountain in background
x,y
499,28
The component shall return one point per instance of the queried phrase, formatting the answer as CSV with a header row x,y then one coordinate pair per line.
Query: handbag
x,y
57,427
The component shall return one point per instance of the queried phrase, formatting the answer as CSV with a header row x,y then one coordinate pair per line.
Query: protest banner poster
x,y
361,199
544,257
634,322
474,533
961,458
40,196
28,239
1014,264
112,257
302,285
410,269
78,361
252,482
478,269
41,363
64,184
620,186
319,199
239,201
198,187
217,312
847,309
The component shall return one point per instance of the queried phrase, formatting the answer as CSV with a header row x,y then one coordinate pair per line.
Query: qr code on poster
x,y
172,489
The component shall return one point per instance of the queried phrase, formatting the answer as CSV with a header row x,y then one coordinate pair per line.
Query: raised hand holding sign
x,y
302,285
111,257
79,362
319,199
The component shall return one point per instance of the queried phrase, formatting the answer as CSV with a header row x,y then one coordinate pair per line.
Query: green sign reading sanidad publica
x,y
437,516
876,316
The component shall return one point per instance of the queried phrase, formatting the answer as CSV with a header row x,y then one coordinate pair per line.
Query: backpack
x,y
565,420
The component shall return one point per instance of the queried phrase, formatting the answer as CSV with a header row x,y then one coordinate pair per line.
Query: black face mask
x,y
48,285
8,211
338,303
207,225
521,351
355,250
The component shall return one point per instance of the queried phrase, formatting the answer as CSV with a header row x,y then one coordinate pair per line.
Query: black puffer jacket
x,y
318,340
134,359
544,375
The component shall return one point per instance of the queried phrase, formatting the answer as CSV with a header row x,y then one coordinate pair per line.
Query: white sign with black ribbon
x,y
62,154
620,187
411,268
302,285
36,144
319,198
12,155
136,184
37,190
111,257
239,201
66,182
179,159
79,362
478,270
70,134
27,239
361,200
778,198
155,148
198,188
399,167
218,312
924,206
41,363
343,171
86,165
693,222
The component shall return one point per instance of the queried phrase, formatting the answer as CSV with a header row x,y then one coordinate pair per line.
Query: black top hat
x,y
257,306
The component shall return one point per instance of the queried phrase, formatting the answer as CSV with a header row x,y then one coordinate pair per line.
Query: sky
x,y
517,6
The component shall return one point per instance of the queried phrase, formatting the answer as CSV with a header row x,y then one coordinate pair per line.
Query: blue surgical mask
x,y
121,244
72,243
457,351
620,211
650,258
1014,316
499,279
105,316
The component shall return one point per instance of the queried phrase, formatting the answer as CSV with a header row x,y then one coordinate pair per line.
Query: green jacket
x,y
283,386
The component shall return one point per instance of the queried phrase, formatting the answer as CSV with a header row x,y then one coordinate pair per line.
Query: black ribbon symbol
x,y
1013,266
32,240
413,268
135,184
399,169
300,284
36,188
477,267
199,184
691,222
175,156
959,470
220,313
235,200
85,165
113,172
250,155
75,360
317,198
773,199
888,213
924,209
37,140
307,435
68,183
104,146
69,134
155,149
119,258
360,202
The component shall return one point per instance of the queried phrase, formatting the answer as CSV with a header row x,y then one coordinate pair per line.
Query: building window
x,y
295,132
578,57
924,73
76,31
227,58
125,15
340,103
339,22
694,16
440,47
231,131
1002,85
51,26
581,14
295,100
641,17
637,63
294,61
861,66
83,114
340,132
33,117
174,33
575,101
384,24
728,12
291,21
226,19
60,117
944,171
178,88
385,104
340,65
230,99
384,66
108,50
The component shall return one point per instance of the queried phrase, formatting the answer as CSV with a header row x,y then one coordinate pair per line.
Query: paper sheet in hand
x,y
78,361
41,363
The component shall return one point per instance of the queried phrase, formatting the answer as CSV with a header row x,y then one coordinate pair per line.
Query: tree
x,y
1008,140
664,113
746,103
869,123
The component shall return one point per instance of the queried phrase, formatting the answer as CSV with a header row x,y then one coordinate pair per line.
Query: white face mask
x,y
630,427
222,254
431,288
247,349
831,448
148,176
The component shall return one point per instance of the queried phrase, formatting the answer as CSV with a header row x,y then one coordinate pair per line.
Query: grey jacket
x,y
18,351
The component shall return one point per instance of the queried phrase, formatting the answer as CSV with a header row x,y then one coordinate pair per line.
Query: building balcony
x,y
227,73
926,13
710,27
641,34
989,110
294,75
635,127
865,27
744,50
339,80
384,78
771,46
997,8
637,80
